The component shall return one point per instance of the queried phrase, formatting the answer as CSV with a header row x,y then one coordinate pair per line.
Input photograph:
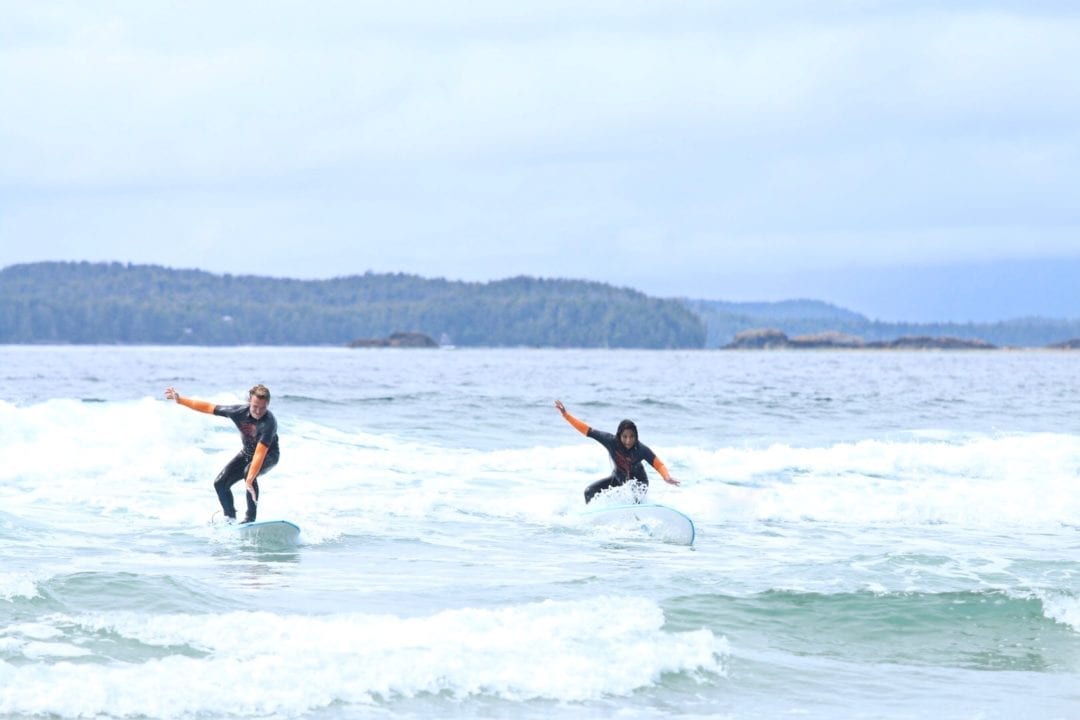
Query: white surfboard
x,y
658,521
268,532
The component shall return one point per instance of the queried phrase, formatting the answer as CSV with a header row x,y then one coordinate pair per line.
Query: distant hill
x,y
101,303
725,320
96,303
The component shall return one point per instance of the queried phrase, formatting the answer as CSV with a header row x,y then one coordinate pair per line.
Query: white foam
x,y
1014,479
18,585
1061,608
151,462
52,651
261,663
35,631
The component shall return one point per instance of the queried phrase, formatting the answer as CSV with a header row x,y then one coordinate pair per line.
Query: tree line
x,y
104,303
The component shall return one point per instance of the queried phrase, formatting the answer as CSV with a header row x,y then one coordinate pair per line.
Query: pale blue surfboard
x,y
658,521
267,532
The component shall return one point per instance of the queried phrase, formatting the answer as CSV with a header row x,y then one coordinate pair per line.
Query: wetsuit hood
x,y
627,425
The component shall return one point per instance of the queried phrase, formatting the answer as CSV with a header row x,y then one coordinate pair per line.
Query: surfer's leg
x,y
600,485
228,477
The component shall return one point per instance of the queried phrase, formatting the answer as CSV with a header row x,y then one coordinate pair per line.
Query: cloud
x,y
195,86
622,141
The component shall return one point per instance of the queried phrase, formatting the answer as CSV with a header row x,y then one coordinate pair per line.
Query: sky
x,y
715,149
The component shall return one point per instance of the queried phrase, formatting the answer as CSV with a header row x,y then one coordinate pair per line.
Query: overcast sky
x,y
721,149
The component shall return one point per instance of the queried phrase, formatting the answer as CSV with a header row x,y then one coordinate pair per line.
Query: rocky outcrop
x,y
772,339
924,342
831,339
398,339
759,339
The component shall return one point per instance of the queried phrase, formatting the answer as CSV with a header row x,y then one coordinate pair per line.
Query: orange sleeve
x,y
578,425
200,405
256,462
660,468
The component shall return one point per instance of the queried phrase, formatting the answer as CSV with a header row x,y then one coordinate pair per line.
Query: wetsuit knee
x,y
599,486
232,472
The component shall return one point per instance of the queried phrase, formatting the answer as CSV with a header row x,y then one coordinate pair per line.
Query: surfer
x,y
626,453
258,430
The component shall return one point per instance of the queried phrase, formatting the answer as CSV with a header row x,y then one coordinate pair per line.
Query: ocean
x,y
879,535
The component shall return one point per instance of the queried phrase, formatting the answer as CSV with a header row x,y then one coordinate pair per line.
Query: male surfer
x,y
258,430
626,453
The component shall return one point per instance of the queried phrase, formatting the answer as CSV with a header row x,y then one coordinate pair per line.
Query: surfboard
x,y
658,521
270,532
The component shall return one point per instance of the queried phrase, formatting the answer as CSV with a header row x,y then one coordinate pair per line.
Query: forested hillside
x,y
92,303
59,302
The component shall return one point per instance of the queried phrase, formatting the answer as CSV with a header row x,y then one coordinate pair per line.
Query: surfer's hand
x,y
171,394
671,481
251,490
560,407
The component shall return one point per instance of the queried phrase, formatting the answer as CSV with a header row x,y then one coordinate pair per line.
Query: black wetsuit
x,y
628,464
253,432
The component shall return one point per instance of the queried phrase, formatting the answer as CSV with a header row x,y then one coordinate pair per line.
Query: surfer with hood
x,y
626,453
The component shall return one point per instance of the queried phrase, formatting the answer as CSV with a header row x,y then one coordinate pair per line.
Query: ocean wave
x,y
262,663
978,630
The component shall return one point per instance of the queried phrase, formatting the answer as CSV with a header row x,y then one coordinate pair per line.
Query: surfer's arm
x,y
254,467
662,469
256,464
578,425
200,405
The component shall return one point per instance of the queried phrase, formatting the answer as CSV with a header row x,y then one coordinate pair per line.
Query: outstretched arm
x,y
662,469
200,405
578,425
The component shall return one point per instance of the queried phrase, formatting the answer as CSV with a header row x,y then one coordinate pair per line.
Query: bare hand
x,y
672,481
251,490
560,407
171,394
